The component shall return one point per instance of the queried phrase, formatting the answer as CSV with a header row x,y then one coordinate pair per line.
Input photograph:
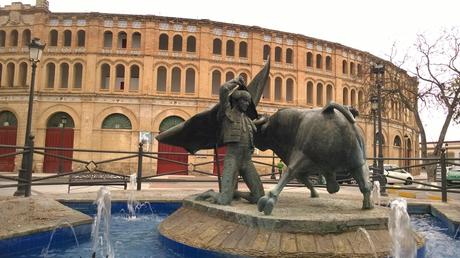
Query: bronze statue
x,y
323,141
232,122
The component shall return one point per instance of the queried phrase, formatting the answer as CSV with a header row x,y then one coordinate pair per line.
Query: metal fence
x,y
91,172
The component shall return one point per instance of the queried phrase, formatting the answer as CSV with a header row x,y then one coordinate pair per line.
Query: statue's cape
x,y
202,131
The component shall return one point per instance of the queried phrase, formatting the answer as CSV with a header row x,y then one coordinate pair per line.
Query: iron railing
x,y
142,157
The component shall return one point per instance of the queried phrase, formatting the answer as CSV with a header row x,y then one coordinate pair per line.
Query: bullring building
x,y
108,81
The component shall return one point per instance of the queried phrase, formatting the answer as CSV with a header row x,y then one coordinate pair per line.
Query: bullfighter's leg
x,y
252,180
267,202
306,181
361,175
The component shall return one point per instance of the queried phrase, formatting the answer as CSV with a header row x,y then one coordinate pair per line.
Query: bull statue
x,y
311,141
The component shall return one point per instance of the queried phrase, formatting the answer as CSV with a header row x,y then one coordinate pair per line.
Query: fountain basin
x,y
299,226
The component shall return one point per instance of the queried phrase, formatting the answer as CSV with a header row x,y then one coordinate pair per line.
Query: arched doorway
x,y
8,135
168,162
59,134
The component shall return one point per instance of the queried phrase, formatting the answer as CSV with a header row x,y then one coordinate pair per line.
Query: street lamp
x,y
379,70
25,173
62,125
374,106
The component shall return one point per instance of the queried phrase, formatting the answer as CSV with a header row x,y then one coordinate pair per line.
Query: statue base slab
x,y
328,226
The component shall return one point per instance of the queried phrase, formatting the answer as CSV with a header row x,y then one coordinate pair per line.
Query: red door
x,y
61,138
221,151
165,166
7,137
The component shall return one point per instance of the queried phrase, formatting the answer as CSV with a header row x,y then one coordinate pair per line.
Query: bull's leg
x,y
331,183
361,175
267,202
306,181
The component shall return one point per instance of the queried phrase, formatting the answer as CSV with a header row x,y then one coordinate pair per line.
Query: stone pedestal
x,y
328,226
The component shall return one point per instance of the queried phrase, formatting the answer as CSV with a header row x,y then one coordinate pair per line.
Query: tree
x,y
437,69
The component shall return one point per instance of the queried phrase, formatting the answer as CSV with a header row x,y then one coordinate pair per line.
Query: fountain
x,y
102,219
59,225
401,232
132,202
376,193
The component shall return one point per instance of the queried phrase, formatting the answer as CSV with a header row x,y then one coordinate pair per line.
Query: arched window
x,y
105,76
177,43
397,141
161,79
2,38
122,40
360,98
329,93
64,68
55,120
230,48
116,121
169,122
319,61
289,90
108,38
360,70
67,38
134,78
267,89
163,44
217,47
120,77
319,94
245,77
23,74
309,59
190,81
352,68
175,79
53,38
353,97
26,37
278,54
289,55
310,93
345,96
344,67
136,40
378,140
243,53
14,38
266,52
1,75
328,63
8,119
50,75
77,75
191,44
11,70
216,82
81,38
229,76
278,88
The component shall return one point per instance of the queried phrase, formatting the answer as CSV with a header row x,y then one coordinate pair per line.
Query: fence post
x,y
30,160
139,166
443,175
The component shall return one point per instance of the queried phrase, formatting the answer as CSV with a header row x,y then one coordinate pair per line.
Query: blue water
x,y
139,237
439,244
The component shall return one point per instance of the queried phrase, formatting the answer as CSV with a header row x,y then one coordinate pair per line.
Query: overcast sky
x,y
372,26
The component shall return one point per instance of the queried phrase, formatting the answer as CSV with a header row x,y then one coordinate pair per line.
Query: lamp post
x,y
374,106
273,166
61,161
35,53
379,70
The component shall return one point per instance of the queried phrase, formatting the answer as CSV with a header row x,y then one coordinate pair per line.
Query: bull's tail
x,y
329,108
